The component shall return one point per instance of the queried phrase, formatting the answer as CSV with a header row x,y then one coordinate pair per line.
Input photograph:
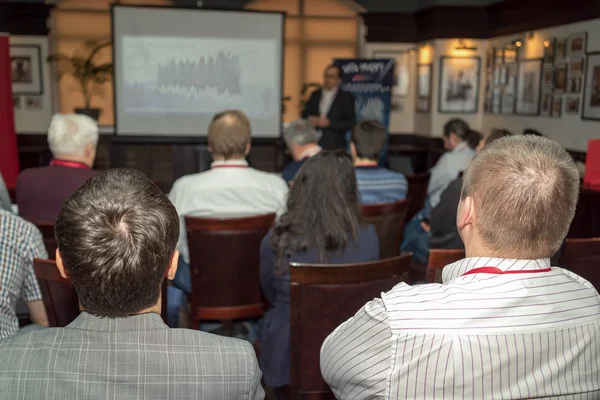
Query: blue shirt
x,y
447,169
380,185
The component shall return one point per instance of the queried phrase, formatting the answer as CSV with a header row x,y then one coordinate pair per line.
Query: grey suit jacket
x,y
137,357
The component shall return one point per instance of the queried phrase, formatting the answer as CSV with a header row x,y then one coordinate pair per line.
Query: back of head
x,y
69,134
229,134
301,133
496,134
473,138
369,138
322,207
456,126
116,235
524,191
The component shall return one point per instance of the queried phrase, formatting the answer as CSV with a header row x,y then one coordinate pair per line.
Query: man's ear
x,y
465,213
247,149
172,270
353,149
60,265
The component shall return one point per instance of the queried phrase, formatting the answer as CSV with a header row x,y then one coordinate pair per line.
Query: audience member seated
x,y
116,241
375,184
461,143
321,225
20,242
5,202
302,141
42,191
443,233
500,306
530,131
229,189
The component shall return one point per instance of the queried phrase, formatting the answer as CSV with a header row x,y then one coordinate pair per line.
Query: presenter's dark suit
x,y
341,115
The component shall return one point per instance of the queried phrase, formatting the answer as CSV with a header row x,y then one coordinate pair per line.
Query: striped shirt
x,y
380,185
476,336
20,243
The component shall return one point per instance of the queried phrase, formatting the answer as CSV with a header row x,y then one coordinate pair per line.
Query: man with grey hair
x,y
504,323
41,192
302,140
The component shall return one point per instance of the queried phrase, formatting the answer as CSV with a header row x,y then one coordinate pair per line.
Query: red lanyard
x,y
498,271
70,164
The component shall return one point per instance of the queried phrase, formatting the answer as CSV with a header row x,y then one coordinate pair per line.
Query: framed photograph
x,y
528,87
401,74
590,108
508,105
489,58
556,106
17,102
459,84
511,55
496,101
546,103
548,76
559,52
576,43
574,85
572,105
560,77
33,102
576,66
424,87
510,87
550,51
26,69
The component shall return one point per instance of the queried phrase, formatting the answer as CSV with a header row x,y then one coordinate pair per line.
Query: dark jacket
x,y
444,233
42,191
342,118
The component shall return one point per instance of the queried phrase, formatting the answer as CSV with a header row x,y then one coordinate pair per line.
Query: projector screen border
x,y
283,15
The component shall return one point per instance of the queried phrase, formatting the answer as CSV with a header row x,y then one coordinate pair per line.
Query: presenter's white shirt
x,y
327,98
230,189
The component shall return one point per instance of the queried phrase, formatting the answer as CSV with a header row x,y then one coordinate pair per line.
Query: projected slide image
x,y
200,75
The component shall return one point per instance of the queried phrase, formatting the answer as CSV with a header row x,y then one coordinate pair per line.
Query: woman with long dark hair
x,y
322,224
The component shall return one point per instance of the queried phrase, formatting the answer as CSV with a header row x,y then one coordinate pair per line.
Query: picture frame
x,y
560,77
546,103
559,52
424,82
401,84
459,85
556,106
511,55
590,103
33,102
548,76
508,105
576,44
576,66
26,69
529,84
496,101
574,85
550,51
489,58
572,105
510,88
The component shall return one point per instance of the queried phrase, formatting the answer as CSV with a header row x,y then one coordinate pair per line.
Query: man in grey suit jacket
x,y
116,238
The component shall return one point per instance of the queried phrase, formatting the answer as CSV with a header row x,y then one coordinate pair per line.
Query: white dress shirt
x,y
229,189
327,98
530,334
447,169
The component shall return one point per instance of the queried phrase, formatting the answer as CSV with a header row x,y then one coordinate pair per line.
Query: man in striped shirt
x,y
375,184
504,324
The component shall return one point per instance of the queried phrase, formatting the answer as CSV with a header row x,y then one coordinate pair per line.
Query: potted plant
x,y
89,74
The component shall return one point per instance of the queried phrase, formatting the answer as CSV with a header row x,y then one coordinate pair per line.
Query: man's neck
x,y
157,308
365,162
74,158
232,158
307,150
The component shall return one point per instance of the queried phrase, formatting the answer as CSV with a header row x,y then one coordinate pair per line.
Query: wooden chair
x,y
225,267
60,298
582,256
388,220
417,192
322,297
438,259
47,230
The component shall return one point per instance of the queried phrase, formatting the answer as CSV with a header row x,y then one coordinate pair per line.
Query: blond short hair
x,y
229,134
525,191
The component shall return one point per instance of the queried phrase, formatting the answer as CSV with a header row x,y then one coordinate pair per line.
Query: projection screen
x,y
175,68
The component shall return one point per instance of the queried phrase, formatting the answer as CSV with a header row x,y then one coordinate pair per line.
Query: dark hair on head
x,y
473,138
458,127
497,134
369,138
529,131
322,209
116,235
336,67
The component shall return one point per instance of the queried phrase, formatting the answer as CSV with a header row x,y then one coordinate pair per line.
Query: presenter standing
x,y
331,110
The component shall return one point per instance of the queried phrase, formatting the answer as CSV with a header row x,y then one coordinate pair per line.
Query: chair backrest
x,y
582,256
417,192
60,298
388,220
322,297
438,259
225,266
47,230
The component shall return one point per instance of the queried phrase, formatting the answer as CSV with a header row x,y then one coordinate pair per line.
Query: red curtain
x,y
9,157
592,165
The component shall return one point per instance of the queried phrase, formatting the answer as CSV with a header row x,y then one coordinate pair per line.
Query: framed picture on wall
x,y
459,84
508,105
576,44
26,69
559,53
560,77
549,51
546,108
401,70
574,85
590,109
572,105
496,101
528,87
556,106
424,87
489,58
576,66
548,76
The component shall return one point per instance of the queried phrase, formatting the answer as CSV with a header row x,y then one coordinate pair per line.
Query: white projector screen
x,y
175,68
